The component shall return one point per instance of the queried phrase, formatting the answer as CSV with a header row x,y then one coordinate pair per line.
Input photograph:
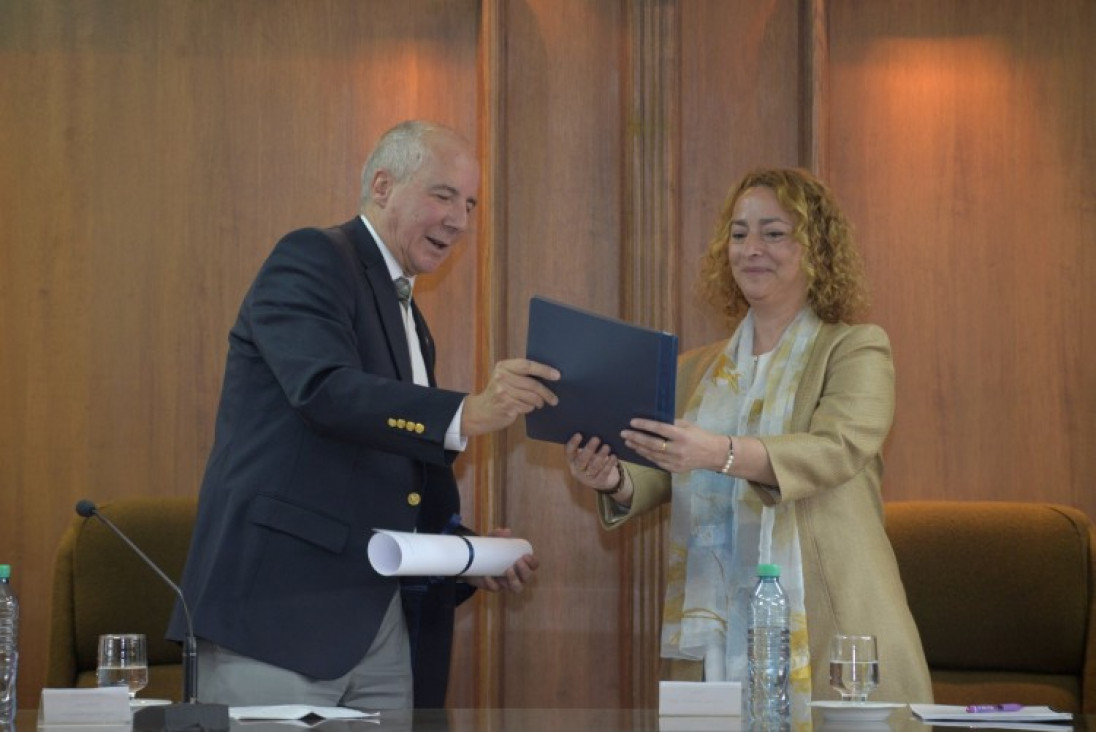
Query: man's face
x,y
423,217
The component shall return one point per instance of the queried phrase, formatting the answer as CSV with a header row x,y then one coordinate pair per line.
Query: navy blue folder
x,y
611,371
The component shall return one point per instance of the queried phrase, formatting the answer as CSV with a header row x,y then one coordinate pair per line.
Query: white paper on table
x,y
699,699
297,711
1027,726
944,713
105,705
394,553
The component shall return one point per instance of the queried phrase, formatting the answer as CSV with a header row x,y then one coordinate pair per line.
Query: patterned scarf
x,y
720,530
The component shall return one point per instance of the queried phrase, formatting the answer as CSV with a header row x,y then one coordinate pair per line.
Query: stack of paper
x,y
106,709
693,706
1029,718
297,711
700,699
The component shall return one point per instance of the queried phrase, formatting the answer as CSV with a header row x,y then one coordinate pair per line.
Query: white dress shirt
x,y
454,440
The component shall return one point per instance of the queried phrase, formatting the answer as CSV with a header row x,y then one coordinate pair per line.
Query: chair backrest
x,y
101,586
1003,596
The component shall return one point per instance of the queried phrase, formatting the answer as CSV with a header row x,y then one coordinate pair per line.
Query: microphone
x,y
190,714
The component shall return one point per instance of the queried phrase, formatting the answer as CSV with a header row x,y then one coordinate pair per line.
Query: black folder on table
x,y
611,371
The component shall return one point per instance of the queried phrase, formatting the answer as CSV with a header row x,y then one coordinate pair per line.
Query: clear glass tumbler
x,y
123,661
854,666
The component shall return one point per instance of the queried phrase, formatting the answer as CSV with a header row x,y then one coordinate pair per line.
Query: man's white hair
x,y
400,151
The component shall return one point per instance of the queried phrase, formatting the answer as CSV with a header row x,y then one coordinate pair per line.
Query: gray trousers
x,y
381,680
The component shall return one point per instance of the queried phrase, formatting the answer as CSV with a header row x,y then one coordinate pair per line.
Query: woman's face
x,y
765,260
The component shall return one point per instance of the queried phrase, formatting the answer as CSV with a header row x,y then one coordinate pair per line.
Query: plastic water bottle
x,y
9,646
768,650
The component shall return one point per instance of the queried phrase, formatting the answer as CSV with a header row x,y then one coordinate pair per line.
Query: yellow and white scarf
x,y
720,530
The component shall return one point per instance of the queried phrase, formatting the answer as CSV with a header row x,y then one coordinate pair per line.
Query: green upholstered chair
x,y
101,586
1004,595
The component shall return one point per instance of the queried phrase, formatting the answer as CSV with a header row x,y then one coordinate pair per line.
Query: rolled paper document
x,y
399,553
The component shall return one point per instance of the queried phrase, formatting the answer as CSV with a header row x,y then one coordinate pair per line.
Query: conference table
x,y
543,720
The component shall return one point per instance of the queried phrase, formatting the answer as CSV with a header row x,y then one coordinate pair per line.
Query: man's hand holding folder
x,y
514,390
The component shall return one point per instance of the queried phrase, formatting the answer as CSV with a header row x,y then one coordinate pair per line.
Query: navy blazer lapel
x,y
383,291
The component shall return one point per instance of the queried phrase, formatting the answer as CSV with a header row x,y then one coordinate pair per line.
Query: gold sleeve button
x,y
391,422
414,499
420,428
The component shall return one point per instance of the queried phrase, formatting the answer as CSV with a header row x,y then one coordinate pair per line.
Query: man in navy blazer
x,y
331,425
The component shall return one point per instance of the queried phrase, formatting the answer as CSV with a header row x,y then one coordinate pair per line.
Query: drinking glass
x,y
123,661
854,666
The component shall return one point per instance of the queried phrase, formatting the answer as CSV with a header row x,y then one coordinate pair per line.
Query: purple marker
x,y
975,709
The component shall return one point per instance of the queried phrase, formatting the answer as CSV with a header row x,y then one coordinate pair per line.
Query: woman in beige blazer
x,y
776,454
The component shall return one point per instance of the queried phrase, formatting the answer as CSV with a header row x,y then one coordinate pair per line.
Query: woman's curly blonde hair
x,y
836,287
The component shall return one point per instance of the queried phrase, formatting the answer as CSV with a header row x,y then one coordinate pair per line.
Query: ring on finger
x,y
662,448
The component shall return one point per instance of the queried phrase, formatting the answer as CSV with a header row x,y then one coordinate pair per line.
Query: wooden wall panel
x,y
741,78
562,165
152,153
650,262
963,142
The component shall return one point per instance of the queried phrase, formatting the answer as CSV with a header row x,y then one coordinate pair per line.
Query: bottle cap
x,y
768,570
5,571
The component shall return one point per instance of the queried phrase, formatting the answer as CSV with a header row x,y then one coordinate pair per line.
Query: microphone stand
x,y
177,717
